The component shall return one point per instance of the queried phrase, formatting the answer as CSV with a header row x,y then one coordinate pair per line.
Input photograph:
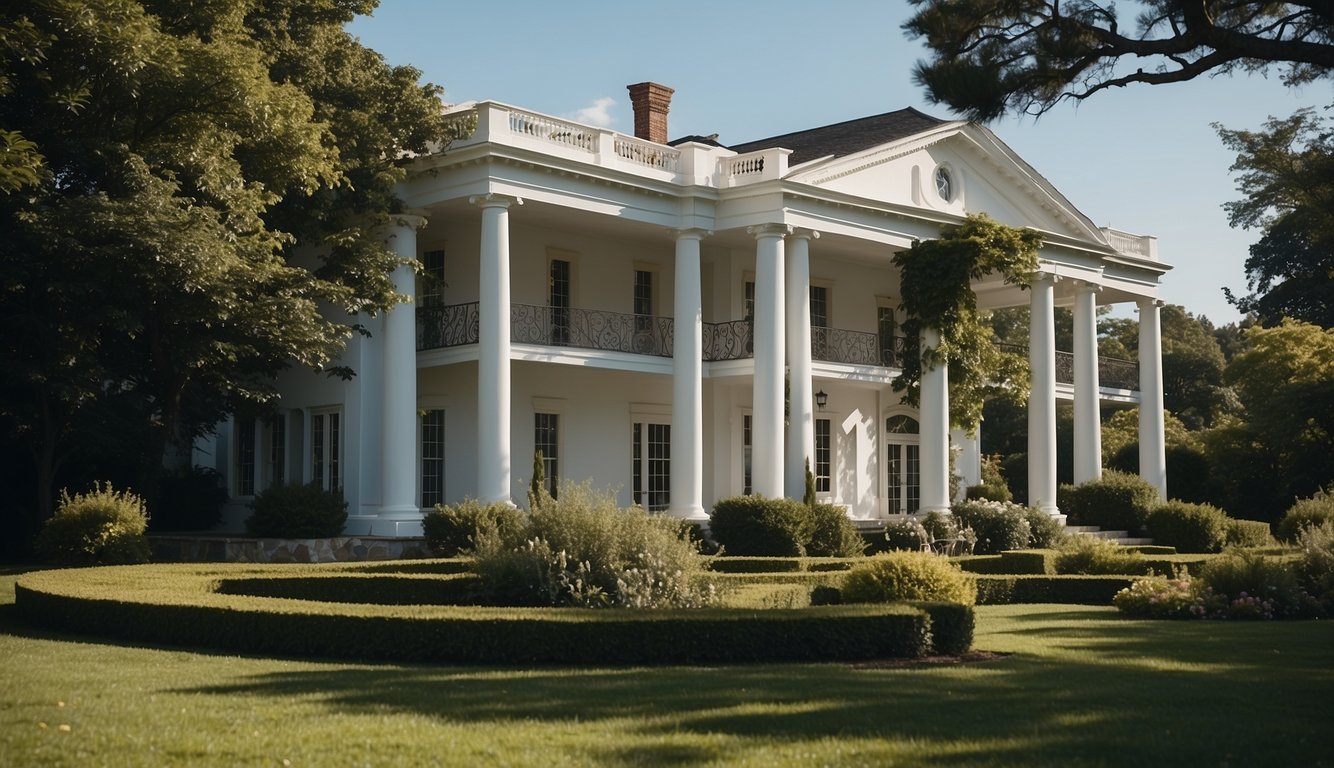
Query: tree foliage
x,y
204,212
936,285
990,57
1286,174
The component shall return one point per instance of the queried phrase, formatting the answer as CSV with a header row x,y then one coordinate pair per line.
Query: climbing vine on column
x,y
936,277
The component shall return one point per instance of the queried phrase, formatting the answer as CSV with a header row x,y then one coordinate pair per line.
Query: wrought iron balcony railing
x,y
591,329
1113,373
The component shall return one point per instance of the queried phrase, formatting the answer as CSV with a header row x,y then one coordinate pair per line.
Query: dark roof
x,y
711,140
846,138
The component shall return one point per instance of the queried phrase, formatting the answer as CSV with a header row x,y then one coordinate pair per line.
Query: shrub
x,y
1306,512
189,500
103,526
1116,501
1247,585
832,534
297,512
998,526
1248,533
1000,589
908,534
897,576
1315,565
755,525
1090,556
1191,528
988,492
1044,531
582,550
1160,597
453,529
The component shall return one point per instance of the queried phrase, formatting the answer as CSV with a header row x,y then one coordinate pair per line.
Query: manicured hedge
x,y
379,589
178,604
781,564
1079,590
1020,561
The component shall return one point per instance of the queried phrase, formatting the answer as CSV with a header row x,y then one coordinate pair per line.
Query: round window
x,y
944,184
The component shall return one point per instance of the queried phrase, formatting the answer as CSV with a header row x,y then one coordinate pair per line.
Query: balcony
x,y
456,325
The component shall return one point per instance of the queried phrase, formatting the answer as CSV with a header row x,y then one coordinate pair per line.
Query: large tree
x,y
990,57
1286,172
204,214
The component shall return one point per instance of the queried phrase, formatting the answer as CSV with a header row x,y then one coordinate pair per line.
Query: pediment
x,y
985,176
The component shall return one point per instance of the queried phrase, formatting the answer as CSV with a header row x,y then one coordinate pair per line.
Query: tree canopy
x,y
195,207
1286,174
990,57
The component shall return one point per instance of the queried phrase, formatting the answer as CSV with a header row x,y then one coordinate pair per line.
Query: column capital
x,y
805,234
1087,286
1147,301
495,200
769,230
411,219
690,233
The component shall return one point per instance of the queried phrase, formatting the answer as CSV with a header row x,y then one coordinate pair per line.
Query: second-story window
x,y
559,301
643,300
431,279
887,328
819,306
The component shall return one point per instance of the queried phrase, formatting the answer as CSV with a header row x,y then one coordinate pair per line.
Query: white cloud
x,y
598,114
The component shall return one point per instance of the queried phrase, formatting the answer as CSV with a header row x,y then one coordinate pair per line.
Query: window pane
x,y
745,453
335,479
643,300
317,450
823,454
431,280
894,462
433,458
912,479
659,465
819,307
637,454
546,439
245,457
278,450
559,301
888,329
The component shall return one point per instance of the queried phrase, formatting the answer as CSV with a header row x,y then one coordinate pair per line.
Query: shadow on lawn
x,y
1144,692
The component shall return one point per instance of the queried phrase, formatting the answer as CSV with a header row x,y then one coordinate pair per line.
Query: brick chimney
x,y
651,102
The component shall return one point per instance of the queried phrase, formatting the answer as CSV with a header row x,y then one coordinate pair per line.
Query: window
x,y
431,279
748,302
643,301
944,184
559,301
748,487
245,456
277,450
652,470
546,439
887,328
823,455
903,463
819,306
325,449
433,457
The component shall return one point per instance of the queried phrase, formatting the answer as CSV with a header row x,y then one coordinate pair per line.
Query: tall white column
x,y
1042,396
1152,443
935,430
969,459
1088,420
494,465
801,393
398,452
687,477
767,424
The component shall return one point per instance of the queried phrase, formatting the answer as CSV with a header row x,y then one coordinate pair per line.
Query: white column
x,y
1088,420
767,425
969,461
801,393
398,456
493,355
935,430
687,478
1042,396
1152,444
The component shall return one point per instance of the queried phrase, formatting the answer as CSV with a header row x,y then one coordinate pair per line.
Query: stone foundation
x,y
341,549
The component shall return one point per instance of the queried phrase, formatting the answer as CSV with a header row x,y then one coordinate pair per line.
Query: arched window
x,y
903,464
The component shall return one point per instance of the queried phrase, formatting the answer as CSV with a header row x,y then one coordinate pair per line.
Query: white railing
x,y
647,153
1134,245
552,130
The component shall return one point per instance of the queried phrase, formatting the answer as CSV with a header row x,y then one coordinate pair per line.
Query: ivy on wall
x,y
936,278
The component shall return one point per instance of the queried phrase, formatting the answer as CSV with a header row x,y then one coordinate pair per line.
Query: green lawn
x,y
1084,687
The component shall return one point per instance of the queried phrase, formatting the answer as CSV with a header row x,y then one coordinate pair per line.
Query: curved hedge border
x,y
182,604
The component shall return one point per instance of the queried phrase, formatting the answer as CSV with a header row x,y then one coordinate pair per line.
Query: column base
x,y
692,513
924,511
406,521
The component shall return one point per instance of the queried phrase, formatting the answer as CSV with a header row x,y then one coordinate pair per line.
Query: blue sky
x,y
1142,159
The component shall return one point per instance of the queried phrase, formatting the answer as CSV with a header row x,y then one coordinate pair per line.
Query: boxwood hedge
x,y
183,604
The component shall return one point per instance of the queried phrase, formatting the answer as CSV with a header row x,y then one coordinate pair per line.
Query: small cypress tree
x,y
809,497
537,490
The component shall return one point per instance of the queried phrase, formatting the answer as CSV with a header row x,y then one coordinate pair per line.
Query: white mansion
x,y
684,321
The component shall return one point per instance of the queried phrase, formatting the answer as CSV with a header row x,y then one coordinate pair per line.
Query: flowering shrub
x,y
582,550
1315,565
998,525
1044,531
1305,513
451,529
1236,586
907,534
